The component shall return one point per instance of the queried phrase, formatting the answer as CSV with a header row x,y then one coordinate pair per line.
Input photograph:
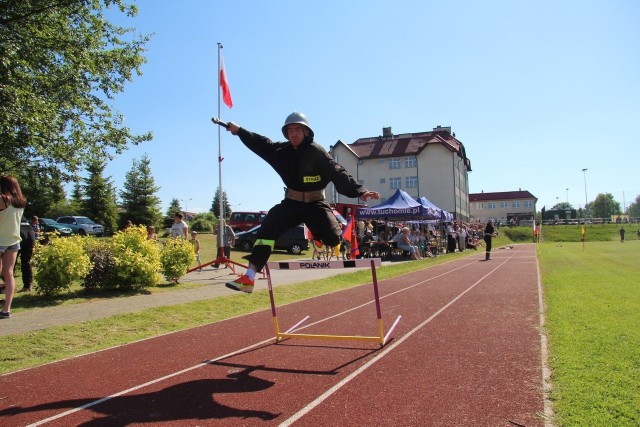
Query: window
x,y
504,205
394,163
410,162
528,204
479,206
515,204
491,205
411,182
383,180
395,183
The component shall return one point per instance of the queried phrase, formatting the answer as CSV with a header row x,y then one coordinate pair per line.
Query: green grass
x,y
593,319
594,232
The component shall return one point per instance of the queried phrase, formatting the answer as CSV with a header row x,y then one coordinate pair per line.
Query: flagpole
x,y
221,229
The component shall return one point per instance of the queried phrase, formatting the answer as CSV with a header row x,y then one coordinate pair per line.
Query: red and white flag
x,y
226,93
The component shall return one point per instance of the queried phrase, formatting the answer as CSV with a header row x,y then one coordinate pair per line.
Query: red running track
x,y
466,352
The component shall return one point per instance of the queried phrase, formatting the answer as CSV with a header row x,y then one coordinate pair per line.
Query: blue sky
x,y
535,90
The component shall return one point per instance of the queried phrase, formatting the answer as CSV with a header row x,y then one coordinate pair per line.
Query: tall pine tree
x,y
215,207
99,201
140,204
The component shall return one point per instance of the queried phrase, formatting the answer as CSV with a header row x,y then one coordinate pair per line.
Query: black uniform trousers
x,y
317,216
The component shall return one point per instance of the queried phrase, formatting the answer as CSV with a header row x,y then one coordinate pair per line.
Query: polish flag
x,y
226,93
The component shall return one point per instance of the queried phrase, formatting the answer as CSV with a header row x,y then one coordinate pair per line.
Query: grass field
x,y
593,319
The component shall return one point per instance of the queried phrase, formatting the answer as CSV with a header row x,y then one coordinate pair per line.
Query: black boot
x,y
488,256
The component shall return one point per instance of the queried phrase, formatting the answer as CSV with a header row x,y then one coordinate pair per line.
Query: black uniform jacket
x,y
307,168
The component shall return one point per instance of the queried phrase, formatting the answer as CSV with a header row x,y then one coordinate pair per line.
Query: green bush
x,y
176,257
59,264
103,272
137,260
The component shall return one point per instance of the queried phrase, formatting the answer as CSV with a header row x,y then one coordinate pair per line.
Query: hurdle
x,y
381,338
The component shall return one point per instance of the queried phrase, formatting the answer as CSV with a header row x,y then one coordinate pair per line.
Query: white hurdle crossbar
x,y
381,339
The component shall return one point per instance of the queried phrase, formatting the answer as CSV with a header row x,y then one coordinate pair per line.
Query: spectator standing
x,y
35,225
224,248
29,239
622,234
196,247
462,238
151,233
179,228
12,204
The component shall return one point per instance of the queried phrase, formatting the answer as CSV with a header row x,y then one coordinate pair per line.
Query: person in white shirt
x,y
179,229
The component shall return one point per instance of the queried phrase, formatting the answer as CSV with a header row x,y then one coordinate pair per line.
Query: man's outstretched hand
x,y
370,195
233,128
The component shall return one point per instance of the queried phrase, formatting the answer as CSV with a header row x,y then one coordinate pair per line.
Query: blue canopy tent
x,y
434,211
400,206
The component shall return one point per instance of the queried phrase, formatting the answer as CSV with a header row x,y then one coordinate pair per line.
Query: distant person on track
x,y
489,234
622,231
306,169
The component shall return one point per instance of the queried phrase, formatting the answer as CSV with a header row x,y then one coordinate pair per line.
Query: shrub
x,y
103,273
59,264
137,260
176,257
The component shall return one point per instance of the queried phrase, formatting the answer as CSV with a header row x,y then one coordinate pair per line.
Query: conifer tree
x,y
139,201
99,201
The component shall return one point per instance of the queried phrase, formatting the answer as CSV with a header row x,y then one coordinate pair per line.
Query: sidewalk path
x,y
214,279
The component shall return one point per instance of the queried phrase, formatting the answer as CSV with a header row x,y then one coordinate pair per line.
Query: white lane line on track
x,y
157,380
270,340
320,399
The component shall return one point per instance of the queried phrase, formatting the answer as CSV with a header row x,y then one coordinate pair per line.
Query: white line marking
x,y
320,399
157,380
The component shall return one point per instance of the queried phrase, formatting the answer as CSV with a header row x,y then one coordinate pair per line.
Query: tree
x,y
62,63
42,192
604,206
140,204
215,207
562,206
634,208
99,202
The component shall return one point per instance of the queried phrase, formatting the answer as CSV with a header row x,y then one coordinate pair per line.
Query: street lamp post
x,y
584,172
567,198
186,207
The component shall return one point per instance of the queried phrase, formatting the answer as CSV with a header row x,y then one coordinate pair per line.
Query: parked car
x,y
294,240
48,225
82,225
243,221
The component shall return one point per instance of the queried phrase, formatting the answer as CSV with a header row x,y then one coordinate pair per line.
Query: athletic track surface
x,y
466,352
